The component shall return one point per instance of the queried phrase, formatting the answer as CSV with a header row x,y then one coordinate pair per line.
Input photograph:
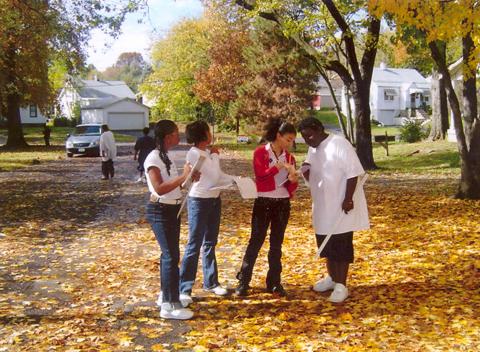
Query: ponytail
x,y
274,126
162,129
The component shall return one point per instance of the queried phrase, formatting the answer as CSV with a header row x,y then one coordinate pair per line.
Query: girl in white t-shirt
x,y
204,209
164,185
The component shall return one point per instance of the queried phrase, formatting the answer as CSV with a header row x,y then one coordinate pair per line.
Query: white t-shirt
x,y
108,146
210,174
153,160
280,190
333,162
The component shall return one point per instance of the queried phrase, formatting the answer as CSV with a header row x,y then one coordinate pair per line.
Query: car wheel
x,y
69,155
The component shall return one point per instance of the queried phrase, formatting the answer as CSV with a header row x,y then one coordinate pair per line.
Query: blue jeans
x,y
166,226
203,228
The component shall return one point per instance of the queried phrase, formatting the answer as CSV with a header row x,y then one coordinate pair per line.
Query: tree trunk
x,y
349,117
439,120
361,97
468,141
15,132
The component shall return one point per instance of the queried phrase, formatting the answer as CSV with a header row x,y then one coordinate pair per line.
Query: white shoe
x,y
218,290
139,180
185,299
171,311
339,294
160,299
324,285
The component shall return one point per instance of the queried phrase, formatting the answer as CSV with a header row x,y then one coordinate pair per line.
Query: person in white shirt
x,y
164,183
204,209
108,152
332,170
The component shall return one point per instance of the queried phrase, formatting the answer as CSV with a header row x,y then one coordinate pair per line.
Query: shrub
x,y
64,122
411,132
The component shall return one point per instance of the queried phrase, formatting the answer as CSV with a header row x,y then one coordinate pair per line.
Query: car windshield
x,y
87,130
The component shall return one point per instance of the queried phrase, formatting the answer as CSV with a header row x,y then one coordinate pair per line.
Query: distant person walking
x,y
46,134
144,145
108,152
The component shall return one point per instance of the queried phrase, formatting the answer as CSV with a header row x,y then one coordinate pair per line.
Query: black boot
x,y
243,287
277,290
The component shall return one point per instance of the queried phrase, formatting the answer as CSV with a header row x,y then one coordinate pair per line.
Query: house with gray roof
x,y
395,94
106,102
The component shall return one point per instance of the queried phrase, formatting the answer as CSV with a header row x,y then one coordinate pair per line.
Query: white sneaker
x,y
160,299
218,290
324,285
171,311
339,294
139,180
185,299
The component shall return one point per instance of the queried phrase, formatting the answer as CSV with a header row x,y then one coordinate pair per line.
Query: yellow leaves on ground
x,y
77,277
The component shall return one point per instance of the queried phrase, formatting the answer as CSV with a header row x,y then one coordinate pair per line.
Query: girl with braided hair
x,y
165,199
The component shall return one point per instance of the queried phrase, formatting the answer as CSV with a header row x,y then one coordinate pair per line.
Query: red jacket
x,y
265,175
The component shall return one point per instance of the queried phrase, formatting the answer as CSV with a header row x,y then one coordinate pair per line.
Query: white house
x,y
322,97
118,114
110,102
31,115
395,93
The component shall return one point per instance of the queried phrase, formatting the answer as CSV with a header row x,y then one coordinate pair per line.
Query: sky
x,y
103,50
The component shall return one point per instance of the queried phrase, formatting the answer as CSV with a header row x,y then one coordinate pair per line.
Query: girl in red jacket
x,y
276,182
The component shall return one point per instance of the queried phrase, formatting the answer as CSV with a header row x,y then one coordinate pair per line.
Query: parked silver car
x,y
85,139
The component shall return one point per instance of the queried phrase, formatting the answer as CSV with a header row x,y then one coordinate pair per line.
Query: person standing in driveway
x,y
108,152
143,147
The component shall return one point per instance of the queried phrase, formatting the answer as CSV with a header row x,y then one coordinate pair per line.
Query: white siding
x,y
26,119
92,116
126,115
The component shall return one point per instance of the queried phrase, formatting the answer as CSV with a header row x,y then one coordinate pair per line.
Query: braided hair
x,y
162,129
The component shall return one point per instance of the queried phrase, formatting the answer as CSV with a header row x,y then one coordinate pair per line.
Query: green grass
x,y
380,130
417,158
422,157
34,135
327,117
14,159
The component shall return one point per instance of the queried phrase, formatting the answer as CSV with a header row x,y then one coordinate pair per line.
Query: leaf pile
x,y
79,271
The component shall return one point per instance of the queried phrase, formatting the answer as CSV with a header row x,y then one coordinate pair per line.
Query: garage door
x,y
126,120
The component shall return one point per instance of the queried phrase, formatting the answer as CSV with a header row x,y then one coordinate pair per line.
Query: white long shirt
x,y
211,174
153,160
108,148
333,162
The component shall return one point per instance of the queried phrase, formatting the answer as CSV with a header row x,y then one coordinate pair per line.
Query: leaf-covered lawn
x,y
79,270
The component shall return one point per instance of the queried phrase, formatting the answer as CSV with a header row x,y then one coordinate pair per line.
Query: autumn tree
x,y
35,33
129,67
441,21
283,77
175,60
318,26
217,84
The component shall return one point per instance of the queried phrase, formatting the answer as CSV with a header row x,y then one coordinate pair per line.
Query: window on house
x,y
426,99
389,94
33,111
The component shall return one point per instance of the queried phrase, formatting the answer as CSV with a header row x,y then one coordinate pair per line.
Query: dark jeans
x,y
273,212
107,168
166,226
203,228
